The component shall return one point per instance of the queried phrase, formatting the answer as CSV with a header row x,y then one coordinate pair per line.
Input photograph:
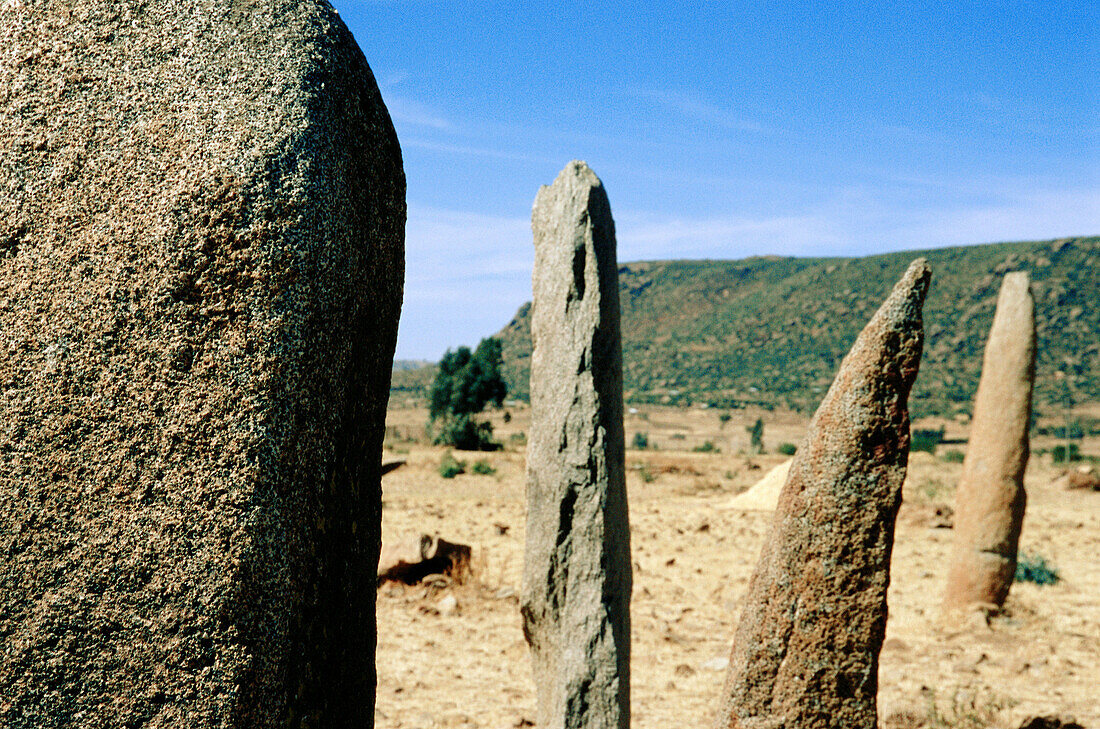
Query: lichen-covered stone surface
x,y
990,500
201,233
577,571
805,654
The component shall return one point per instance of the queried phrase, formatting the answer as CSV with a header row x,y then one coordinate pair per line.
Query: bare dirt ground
x,y
467,665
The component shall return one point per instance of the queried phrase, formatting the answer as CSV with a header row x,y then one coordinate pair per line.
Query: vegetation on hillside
x,y
410,385
772,331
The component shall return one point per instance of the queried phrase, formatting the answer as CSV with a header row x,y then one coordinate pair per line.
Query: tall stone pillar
x,y
805,653
577,571
990,500
201,260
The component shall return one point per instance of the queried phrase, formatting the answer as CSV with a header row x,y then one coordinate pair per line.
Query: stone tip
x,y
918,269
1017,282
1015,298
900,314
907,298
576,175
578,170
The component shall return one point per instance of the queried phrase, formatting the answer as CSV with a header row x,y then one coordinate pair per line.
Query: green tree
x,y
756,436
466,382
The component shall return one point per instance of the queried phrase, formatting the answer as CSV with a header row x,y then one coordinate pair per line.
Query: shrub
x,y
465,434
1033,568
953,456
647,475
1064,454
925,440
787,449
707,447
1072,431
640,441
756,436
450,466
723,419
483,468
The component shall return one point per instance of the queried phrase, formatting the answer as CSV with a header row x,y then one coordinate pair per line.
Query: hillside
x,y
772,331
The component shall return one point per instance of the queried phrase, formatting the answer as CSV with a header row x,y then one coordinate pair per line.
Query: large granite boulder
x,y
201,232
805,653
577,573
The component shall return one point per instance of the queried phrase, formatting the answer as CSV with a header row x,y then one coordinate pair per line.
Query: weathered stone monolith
x,y
201,232
990,500
805,654
577,572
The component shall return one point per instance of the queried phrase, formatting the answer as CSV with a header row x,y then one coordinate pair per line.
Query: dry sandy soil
x,y
468,666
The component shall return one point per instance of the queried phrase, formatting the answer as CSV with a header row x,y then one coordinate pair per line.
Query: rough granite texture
x,y
577,572
201,233
990,500
805,654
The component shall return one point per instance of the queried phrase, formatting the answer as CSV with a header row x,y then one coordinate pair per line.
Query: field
x,y
464,663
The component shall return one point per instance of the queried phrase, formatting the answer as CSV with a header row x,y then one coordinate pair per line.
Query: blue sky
x,y
727,130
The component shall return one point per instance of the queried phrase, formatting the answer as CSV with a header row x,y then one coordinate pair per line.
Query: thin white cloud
x,y
698,109
396,77
860,222
414,113
984,100
648,236
462,149
454,239
910,134
467,273
1027,215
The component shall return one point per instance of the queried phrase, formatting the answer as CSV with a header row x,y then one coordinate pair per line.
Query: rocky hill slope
x,y
771,331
